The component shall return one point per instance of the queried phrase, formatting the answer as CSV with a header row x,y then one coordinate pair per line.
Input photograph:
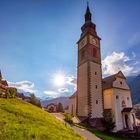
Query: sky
x,y
38,42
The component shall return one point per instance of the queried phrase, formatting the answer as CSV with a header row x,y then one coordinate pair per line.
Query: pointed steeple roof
x,y
0,75
88,13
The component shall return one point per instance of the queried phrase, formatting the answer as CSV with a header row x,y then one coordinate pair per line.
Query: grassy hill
x,y
22,121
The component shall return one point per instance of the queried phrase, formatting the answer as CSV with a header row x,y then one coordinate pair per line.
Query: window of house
x,y
127,98
121,82
96,101
123,104
96,86
117,97
95,73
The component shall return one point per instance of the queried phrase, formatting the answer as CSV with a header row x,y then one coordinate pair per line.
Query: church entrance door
x,y
126,120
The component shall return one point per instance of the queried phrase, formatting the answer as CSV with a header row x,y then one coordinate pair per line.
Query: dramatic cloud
x,y
116,62
71,80
25,86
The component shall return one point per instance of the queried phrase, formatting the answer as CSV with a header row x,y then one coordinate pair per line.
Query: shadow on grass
x,y
106,135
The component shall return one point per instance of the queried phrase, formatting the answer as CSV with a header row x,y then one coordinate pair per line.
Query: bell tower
x,y
89,81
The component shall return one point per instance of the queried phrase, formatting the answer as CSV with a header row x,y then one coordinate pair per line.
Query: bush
x,y
108,120
34,100
11,92
68,118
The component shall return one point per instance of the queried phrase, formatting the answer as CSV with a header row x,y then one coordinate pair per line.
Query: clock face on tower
x,y
83,42
93,41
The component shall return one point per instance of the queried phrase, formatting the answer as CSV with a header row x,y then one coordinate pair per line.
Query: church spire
x,y
88,14
0,75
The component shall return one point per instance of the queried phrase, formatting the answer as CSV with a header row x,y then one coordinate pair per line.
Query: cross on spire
x,y
87,2
88,13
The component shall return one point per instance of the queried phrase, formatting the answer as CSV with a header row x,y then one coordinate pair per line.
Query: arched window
x,y
121,82
123,104
96,86
96,101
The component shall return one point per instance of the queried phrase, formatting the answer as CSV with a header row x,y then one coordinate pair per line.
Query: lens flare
x,y
59,80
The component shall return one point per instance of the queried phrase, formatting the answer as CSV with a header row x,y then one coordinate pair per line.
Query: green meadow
x,y
22,121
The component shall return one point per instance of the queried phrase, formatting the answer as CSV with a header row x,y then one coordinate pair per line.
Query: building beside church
x,y
5,90
95,94
51,107
3,86
117,97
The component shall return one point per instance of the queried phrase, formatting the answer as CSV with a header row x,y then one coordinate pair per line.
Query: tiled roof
x,y
3,86
108,81
128,109
4,82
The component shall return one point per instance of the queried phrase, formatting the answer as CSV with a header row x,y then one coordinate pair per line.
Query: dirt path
x,y
82,132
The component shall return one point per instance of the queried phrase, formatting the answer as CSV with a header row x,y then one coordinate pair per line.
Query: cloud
x,y
63,90
52,94
25,86
116,62
68,89
136,63
71,80
55,94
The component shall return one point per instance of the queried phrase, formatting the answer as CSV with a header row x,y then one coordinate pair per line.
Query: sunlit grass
x,y
22,121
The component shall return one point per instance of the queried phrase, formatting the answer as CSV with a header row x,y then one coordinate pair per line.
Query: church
x,y
95,94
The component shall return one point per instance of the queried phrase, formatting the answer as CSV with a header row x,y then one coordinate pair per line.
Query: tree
x,y
35,101
60,108
108,120
11,92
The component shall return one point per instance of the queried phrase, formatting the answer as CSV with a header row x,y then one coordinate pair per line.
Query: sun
x,y
59,80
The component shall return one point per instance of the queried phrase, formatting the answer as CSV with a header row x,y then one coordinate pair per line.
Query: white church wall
x,y
122,97
118,109
120,83
108,98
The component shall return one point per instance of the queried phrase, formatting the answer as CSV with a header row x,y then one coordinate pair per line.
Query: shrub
x,y
68,118
34,100
108,120
11,92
